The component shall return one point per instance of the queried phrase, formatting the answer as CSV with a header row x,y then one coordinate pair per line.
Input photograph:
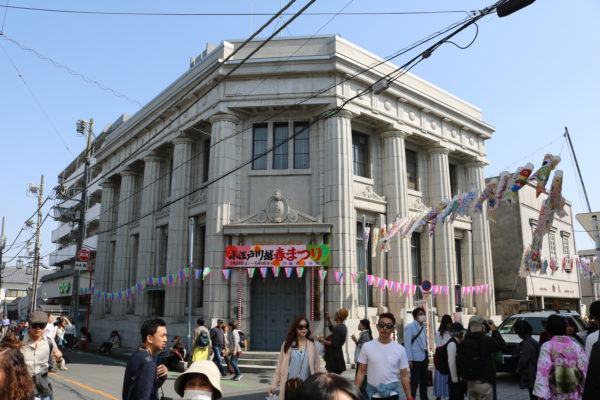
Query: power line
x,y
4,18
70,70
22,248
327,114
318,93
20,75
225,14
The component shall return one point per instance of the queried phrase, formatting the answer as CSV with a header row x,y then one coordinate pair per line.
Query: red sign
x,y
83,255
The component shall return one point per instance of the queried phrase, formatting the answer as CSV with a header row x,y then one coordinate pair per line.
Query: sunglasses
x,y
38,326
302,326
384,325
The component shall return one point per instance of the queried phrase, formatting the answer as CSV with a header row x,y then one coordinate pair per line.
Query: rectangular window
x,y
565,245
360,256
301,146
453,179
259,146
552,245
205,160
280,146
415,255
458,252
16,293
199,247
411,170
360,154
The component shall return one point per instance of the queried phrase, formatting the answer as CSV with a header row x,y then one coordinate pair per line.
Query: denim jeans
x,y
234,364
217,359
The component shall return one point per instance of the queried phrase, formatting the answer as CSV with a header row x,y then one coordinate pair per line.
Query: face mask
x,y
197,395
422,318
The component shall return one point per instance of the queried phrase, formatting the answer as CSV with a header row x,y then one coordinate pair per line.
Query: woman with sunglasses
x,y
298,359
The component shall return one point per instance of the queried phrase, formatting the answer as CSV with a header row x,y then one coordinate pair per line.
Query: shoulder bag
x,y
292,385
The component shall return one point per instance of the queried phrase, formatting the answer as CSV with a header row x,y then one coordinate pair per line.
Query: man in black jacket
x,y
529,351
217,339
143,376
474,358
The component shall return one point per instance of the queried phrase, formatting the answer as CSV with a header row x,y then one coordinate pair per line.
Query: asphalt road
x,y
96,377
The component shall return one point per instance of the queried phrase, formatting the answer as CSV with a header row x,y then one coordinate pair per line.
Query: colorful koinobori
x,y
503,189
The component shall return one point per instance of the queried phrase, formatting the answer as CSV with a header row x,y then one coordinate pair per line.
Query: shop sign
x,y
277,256
64,288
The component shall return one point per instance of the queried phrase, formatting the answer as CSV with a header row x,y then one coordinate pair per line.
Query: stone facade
x,y
157,162
510,235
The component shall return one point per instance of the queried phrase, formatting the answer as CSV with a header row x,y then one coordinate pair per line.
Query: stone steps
x,y
258,362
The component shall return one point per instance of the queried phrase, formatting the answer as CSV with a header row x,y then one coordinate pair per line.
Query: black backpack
x,y
440,358
202,340
242,340
469,359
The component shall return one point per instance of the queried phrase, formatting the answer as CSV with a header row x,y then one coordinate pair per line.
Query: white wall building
x,y
511,234
397,152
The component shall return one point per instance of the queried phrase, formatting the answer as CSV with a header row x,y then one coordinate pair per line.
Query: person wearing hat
x,y
201,381
38,351
474,359
457,388
334,356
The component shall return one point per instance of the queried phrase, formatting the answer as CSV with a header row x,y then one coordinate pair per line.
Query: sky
x,y
532,74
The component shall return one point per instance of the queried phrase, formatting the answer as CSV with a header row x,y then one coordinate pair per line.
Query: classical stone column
x,y
104,269
395,191
339,208
150,200
177,251
444,265
222,199
483,273
123,251
467,255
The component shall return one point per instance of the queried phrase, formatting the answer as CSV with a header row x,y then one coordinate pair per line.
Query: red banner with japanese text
x,y
277,256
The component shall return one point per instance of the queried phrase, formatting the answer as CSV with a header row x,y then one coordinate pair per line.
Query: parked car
x,y
536,319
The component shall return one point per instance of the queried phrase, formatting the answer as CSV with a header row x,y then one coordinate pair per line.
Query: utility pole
x,y
82,127
2,245
36,255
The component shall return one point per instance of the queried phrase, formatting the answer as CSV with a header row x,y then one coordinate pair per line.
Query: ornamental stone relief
x,y
277,210
368,193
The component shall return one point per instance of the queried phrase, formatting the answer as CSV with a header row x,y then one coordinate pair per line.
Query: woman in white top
x,y
234,349
440,383
365,335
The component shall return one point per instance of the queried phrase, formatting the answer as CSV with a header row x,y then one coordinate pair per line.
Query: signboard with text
x,y
277,256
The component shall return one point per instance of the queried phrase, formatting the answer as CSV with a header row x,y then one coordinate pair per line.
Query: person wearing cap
x,y
217,339
201,381
479,371
334,355
457,388
593,337
143,376
38,351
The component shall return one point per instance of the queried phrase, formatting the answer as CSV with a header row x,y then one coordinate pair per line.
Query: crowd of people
x,y
559,366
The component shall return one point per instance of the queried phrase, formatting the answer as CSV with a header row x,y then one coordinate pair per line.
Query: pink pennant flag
x,y
353,276
263,272
288,271
275,271
384,284
414,289
299,271
338,276
250,272
487,287
370,280
377,281
322,274
226,273
396,287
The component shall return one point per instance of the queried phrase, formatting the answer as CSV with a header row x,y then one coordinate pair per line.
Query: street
x,y
96,377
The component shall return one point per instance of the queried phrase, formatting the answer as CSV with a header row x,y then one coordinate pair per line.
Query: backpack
x,y
202,340
440,358
243,340
469,360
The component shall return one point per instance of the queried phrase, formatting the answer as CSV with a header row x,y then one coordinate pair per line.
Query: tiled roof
x,y
18,275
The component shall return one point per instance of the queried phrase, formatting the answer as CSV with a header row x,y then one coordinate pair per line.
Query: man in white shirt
x,y
384,362
593,337
49,330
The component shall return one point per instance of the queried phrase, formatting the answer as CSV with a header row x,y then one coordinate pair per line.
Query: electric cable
x,y
37,228
20,75
4,18
318,93
70,70
257,14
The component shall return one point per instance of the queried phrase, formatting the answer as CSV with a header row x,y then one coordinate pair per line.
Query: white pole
x,y
192,224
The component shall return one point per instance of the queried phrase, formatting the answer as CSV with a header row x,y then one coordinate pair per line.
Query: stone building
x,y
200,152
511,234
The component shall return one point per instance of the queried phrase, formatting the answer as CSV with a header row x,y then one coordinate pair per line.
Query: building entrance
x,y
275,304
